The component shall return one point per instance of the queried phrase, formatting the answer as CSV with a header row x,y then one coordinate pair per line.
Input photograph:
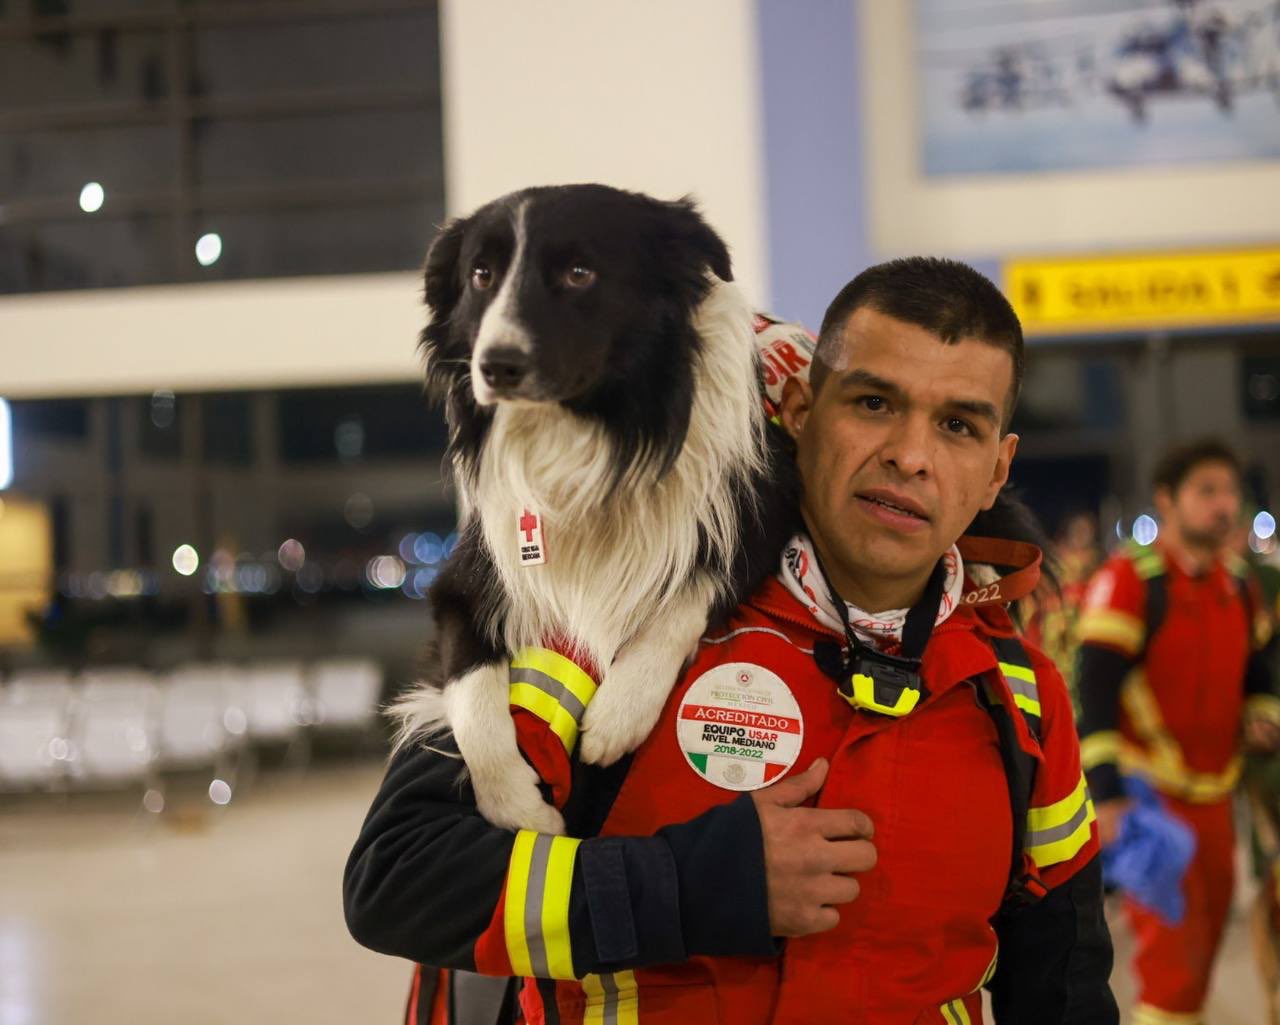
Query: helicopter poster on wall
x,y
1064,85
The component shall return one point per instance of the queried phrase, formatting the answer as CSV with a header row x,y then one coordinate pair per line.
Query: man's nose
x,y
909,447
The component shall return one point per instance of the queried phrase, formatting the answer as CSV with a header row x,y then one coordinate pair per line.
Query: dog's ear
x,y
442,285
689,229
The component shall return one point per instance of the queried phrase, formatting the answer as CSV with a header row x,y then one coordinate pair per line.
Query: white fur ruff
x,y
617,556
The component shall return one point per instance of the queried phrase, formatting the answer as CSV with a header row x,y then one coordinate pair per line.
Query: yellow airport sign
x,y
1151,291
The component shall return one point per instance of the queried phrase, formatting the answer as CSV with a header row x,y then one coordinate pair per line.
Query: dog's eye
x,y
481,277
579,276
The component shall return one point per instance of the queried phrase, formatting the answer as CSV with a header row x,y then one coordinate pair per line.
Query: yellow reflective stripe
x,y
554,688
612,999
1050,816
1263,706
1022,684
954,1013
536,912
548,709
1162,761
1056,832
564,670
513,911
1140,703
1145,1014
1018,672
1177,780
1109,626
989,973
1099,749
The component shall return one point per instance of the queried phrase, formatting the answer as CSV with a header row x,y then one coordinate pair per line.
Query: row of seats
x,y
119,726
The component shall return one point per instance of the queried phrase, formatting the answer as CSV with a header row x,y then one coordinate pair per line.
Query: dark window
x,y
351,424
228,428
50,418
160,425
305,134
1260,376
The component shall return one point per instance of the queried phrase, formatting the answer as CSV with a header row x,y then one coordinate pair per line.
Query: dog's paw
x,y
614,724
514,801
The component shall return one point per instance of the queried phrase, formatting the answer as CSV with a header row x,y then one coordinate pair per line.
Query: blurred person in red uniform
x,y
1172,681
1054,609
863,802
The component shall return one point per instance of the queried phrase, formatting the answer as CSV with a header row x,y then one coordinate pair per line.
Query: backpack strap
x,y
1148,563
1019,767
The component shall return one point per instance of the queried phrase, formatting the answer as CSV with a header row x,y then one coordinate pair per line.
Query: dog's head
x,y
558,294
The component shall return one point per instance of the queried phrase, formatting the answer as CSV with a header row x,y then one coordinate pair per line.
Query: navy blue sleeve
x,y
427,871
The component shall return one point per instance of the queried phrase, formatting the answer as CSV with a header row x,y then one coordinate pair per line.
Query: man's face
x,y
901,447
1205,506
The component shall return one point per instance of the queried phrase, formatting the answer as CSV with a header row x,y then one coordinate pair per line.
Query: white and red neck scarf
x,y
802,577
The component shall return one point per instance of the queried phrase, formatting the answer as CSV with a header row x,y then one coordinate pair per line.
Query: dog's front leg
x,y
506,787
635,688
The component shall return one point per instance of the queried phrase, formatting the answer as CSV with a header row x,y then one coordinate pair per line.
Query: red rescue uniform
x,y
916,946
1165,700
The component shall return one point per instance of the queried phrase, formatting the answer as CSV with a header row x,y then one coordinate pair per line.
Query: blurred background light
x,y
1145,529
186,560
291,555
92,196
1264,525
6,445
208,249
220,792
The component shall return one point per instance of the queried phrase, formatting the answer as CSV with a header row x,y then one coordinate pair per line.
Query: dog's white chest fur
x,y
618,555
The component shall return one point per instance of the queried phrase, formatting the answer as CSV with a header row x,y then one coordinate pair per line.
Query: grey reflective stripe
x,y
610,986
566,698
1024,687
1044,836
533,904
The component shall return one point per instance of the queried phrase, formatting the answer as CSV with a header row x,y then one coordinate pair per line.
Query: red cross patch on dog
x,y
529,536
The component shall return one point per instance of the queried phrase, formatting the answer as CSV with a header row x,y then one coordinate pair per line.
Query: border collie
x,y
619,485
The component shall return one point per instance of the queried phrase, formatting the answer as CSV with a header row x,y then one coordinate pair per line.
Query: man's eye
x,y
481,277
871,403
957,426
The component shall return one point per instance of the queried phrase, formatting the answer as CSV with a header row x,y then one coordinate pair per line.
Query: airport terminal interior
x,y
223,496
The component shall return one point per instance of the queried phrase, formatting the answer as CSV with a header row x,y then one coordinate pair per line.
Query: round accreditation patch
x,y
739,726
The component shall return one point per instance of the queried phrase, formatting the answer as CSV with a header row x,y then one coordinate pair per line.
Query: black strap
x,y
481,999
1019,771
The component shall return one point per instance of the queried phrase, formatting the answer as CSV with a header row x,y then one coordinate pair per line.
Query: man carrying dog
x,y
863,802
1171,674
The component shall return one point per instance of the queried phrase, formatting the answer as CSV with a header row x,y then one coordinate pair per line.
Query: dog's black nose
x,y
504,368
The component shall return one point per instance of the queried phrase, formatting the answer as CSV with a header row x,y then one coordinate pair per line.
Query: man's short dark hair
x,y
1180,462
945,297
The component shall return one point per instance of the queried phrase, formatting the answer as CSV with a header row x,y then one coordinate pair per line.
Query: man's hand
x,y
1109,815
807,853
1261,734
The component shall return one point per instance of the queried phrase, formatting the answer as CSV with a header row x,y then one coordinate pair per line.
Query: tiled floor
x,y
233,915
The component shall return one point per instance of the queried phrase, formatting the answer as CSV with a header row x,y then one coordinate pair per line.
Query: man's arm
x,y
1111,633
1055,958
1055,955
432,881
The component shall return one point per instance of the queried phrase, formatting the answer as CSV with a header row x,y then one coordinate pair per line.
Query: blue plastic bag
x,y
1150,855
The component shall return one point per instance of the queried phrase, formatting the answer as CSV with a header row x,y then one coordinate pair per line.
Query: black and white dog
x,y
619,484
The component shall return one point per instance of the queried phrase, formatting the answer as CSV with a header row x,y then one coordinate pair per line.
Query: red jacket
x,y
1166,700
680,934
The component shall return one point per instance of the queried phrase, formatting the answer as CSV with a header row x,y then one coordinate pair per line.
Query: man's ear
x,y
1164,502
797,404
1000,475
